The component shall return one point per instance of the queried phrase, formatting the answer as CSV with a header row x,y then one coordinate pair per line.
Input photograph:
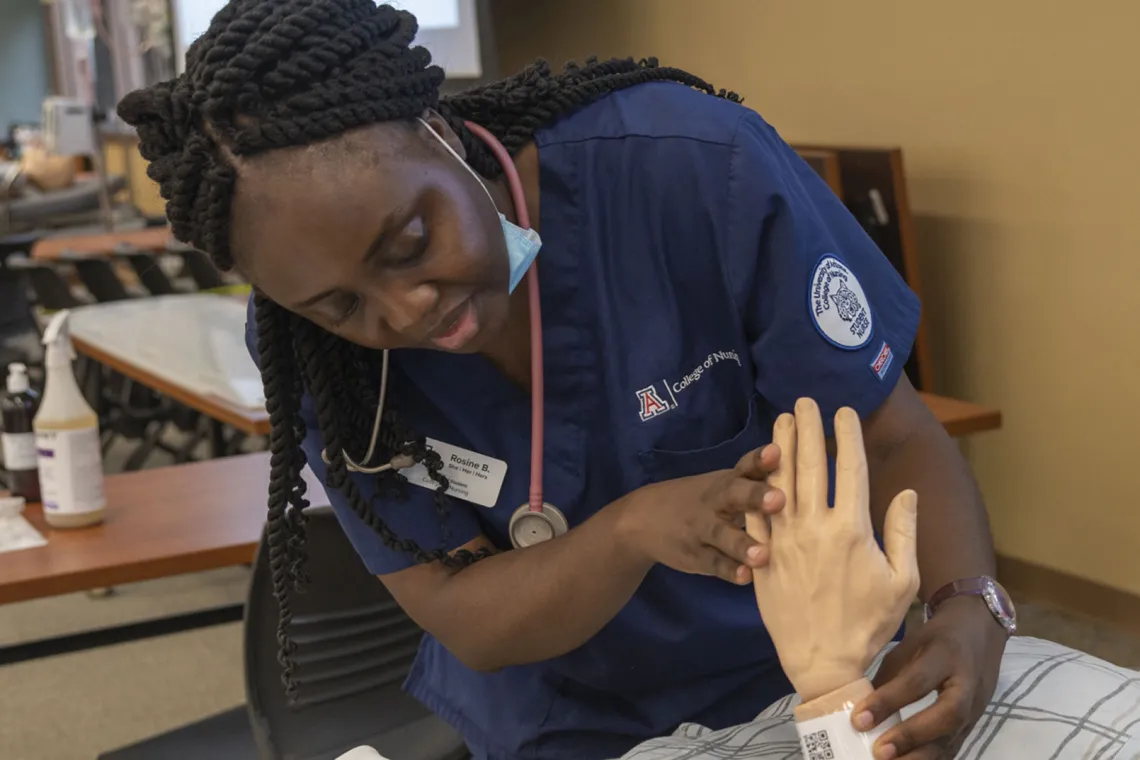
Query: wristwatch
x,y
991,592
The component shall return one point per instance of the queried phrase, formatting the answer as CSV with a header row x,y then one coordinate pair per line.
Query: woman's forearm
x,y
540,602
954,539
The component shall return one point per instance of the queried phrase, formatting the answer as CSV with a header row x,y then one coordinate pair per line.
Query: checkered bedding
x,y
1051,703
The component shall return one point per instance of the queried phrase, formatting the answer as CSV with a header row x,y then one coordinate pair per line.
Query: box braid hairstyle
x,y
270,74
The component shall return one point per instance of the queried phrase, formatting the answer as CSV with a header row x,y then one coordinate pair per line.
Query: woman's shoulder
x,y
653,110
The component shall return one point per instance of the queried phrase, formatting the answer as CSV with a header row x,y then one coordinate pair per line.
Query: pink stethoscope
x,y
536,521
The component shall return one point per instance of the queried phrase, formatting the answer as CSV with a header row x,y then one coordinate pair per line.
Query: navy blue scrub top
x,y
697,278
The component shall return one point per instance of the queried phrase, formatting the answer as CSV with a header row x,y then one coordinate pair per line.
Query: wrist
x,y
626,529
825,724
822,679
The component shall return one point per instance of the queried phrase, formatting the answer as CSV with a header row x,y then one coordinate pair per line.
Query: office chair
x,y
206,275
150,274
354,649
98,276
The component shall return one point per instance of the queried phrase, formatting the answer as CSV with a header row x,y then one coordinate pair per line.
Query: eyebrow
x,y
373,249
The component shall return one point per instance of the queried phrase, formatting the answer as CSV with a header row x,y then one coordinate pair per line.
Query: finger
x,y
900,541
811,459
740,547
784,476
933,728
714,562
759,463
756,525
746,495
852,492
921,675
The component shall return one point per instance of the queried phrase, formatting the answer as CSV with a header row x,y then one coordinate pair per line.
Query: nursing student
x,y
534,338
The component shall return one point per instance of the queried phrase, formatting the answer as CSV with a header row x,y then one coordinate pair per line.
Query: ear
x,y
439,125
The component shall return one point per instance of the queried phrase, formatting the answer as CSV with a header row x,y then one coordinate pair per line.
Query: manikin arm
x,y
829,597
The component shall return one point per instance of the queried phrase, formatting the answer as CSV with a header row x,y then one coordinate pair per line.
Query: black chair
x,y
206,275
52,293
98,276
150,274
354,649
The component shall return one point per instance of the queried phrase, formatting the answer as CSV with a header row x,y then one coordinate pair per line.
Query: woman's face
x,y
380,236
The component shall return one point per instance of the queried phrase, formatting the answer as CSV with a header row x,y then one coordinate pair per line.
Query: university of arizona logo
x,y
847,304
838,305
652,404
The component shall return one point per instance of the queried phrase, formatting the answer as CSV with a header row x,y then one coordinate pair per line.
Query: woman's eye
x,y
350,308
411,245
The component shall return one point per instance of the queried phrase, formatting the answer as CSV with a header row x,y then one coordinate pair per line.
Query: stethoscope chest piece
x,y
528,527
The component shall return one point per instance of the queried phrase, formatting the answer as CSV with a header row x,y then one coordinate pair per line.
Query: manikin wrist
x,y
824,724
822,676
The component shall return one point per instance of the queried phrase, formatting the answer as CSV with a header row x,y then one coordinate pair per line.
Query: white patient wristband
x,y
832,737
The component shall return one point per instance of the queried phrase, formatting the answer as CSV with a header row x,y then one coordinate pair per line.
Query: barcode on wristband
x,y
818,746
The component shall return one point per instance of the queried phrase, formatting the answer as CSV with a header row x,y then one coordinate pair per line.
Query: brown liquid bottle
x,y
18,439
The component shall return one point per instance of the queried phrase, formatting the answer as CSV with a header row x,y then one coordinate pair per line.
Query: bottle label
x,y
19,451
71,470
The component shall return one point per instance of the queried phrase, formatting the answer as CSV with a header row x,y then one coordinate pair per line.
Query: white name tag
x,y
470,476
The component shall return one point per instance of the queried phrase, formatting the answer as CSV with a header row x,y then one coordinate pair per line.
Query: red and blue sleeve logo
x,y
883,361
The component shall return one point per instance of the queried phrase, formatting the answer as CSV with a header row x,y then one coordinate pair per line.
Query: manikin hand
x,y
829,597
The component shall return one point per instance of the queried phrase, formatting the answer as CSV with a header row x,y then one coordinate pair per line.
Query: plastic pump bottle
x,y
67,439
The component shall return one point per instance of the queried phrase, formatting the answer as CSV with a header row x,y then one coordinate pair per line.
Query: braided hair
x,y
269,74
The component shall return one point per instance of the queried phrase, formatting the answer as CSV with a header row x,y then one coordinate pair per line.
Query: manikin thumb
x,y
900,537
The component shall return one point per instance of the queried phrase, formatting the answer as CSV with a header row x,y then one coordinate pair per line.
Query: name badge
x,y
470,476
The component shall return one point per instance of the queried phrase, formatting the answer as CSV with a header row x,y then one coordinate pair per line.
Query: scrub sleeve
x,y
825,313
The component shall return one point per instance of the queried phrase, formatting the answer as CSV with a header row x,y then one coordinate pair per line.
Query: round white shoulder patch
x,y
838,305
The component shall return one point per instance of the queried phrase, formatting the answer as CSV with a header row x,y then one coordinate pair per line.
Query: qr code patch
x,y
818,746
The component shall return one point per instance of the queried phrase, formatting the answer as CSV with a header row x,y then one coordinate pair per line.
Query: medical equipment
x,y
537,520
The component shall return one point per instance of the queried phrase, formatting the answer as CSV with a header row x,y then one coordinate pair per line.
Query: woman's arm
x,y
525,605
543,601
908,448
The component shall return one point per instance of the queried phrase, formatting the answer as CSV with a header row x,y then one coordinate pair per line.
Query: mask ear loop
x,y
398,462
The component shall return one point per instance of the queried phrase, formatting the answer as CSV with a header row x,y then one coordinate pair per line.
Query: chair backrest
x,y
206,275
150,274
99,277
52,292
354,648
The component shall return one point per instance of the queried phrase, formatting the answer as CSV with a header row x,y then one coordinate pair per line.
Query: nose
x,y
406,307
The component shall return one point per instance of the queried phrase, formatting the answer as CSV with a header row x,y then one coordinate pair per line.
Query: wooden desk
x,y
961,417
248,421
133,337
160,522
154,239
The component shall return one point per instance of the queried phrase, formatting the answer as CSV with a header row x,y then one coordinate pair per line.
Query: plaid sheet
x,y
1051,703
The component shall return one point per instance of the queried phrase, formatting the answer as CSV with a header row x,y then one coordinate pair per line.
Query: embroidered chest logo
x,y
652,402
839,306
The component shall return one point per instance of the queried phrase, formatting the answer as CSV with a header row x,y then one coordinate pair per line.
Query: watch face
x,y
1001,605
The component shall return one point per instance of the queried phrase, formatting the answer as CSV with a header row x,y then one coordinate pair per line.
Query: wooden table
x,y
162,342
154,239
961,417
161,522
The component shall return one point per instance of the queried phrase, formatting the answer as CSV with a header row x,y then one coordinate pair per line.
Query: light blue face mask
x,y
522,245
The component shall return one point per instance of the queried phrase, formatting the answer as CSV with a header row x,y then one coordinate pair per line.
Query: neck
x,y
526,163
510,351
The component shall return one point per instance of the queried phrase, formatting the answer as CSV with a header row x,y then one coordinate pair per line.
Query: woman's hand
x,y
828,596
694,524
958,653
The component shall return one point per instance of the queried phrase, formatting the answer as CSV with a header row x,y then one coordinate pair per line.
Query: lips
x,y
458,328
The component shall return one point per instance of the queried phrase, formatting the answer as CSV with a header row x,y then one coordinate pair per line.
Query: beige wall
x,y
1020,125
